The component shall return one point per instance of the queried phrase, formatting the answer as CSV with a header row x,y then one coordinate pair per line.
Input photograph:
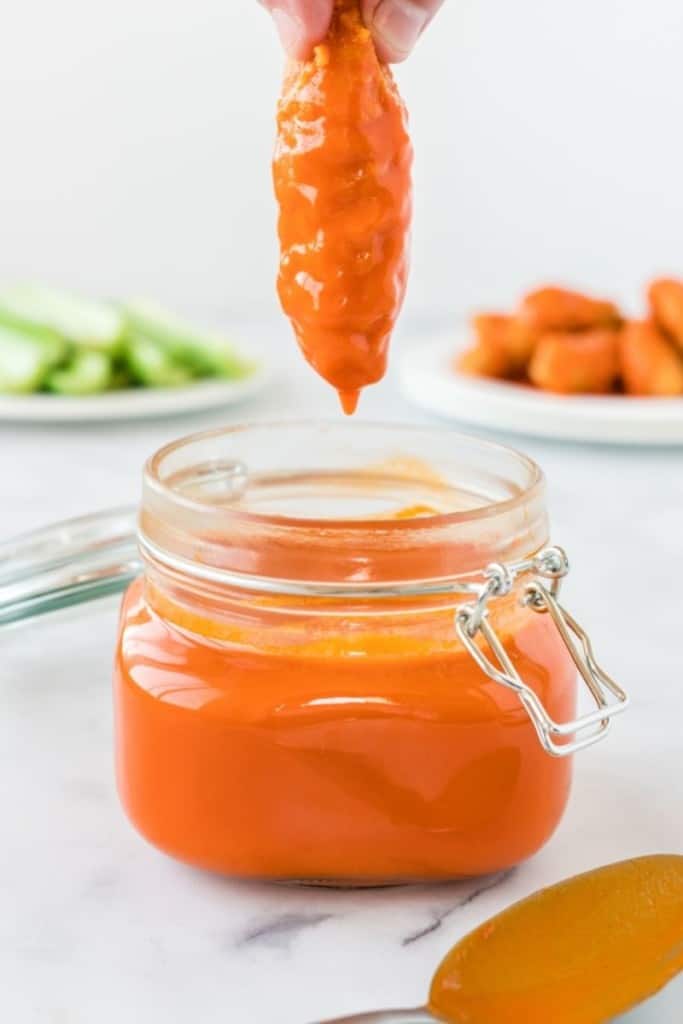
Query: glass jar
x,y
302,686
342,658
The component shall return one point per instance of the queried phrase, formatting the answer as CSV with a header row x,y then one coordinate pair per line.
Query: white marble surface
x,y
95,926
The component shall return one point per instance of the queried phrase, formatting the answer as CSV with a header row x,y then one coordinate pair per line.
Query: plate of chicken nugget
x,y
563,365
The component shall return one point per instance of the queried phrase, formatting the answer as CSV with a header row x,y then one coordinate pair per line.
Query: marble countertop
x,y
96,926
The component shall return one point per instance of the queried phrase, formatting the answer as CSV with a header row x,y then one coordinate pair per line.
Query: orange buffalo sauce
x,y
342,180
580,952
284,743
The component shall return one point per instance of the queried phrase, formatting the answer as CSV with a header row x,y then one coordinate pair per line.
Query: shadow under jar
x,y
298,690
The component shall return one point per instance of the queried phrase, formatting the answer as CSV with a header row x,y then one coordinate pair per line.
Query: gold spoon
x,y
581,952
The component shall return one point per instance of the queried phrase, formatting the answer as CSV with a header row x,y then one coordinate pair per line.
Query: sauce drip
x,y
342,180
581,952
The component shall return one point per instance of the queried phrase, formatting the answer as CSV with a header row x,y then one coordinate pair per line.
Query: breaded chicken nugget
x,y
557,309
650,365
666,306
489,356
576,363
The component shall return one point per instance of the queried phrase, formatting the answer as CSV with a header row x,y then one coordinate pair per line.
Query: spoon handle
x,y
419,1016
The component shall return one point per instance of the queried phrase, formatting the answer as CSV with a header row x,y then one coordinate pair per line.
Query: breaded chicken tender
x,y
489,355
557,309
342,174
665,296
650,365
569,363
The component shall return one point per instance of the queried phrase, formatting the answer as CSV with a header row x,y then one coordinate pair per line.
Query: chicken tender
x,y
650,365
665,296
489,356
342,173
557,309
576,363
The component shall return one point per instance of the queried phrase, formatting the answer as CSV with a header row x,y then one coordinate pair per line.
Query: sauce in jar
x,y
292,699
368,757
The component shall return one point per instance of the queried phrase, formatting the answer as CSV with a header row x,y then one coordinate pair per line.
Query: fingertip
x,y
301,24
386,53
397,25
288,29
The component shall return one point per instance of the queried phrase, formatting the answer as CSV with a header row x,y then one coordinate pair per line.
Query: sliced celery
x,y
208,353
88,372
121,378
85,322
151,364
26,360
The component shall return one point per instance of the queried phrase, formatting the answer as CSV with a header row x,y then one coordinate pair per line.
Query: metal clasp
x,y
548,569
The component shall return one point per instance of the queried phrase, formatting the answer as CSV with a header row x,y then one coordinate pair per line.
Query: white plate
x,y
428,379
132,403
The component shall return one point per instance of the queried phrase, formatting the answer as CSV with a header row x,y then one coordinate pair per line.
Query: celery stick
x,y
26,360
151,364
85,322
87,373
121,378
208,353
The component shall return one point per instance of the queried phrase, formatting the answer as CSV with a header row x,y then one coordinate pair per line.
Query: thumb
x,y
398,24
301,24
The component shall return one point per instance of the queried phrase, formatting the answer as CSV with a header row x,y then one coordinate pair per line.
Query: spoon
x,y
580,952
663,1008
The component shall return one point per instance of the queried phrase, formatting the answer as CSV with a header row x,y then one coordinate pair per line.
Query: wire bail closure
x,y
541,595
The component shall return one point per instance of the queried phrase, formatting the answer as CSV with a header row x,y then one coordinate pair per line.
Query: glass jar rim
x,y
449,504
535,485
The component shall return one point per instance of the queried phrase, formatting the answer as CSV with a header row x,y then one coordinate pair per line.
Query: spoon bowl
x,y
598,947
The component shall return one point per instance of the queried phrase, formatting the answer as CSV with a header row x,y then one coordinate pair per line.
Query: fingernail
x,y
399,24
290,29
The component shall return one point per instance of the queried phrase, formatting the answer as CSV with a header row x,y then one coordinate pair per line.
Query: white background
x,y
135,140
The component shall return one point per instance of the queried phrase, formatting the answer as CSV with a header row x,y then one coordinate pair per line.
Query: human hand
x,y
396,25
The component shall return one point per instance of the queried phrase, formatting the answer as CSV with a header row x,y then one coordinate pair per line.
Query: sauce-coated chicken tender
x,y
576,363
342,173
650,365
666,305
